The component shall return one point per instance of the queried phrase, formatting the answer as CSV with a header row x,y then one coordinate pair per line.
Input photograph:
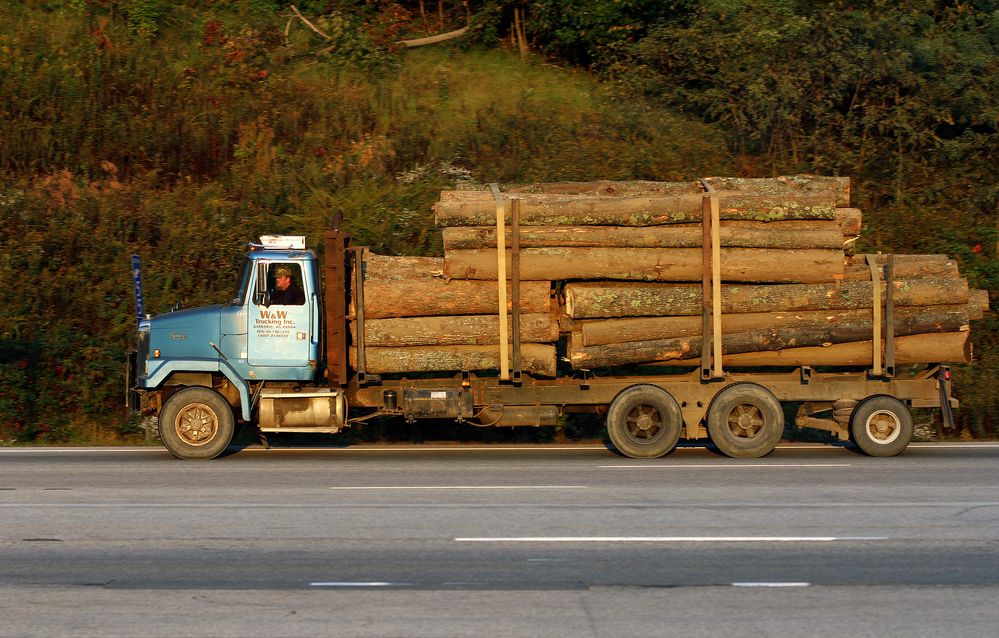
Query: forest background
x,y
180,130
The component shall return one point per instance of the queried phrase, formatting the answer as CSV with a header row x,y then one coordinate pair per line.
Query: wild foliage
x,y
180,130
183,139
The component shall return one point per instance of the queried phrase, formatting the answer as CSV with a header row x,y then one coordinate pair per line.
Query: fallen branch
x,y
309,24
434,39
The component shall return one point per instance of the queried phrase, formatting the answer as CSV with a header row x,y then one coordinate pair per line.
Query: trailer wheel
x,y
644,422
881,426
745,420
196,423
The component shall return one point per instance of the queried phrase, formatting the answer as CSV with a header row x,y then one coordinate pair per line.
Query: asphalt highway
x,y
459,540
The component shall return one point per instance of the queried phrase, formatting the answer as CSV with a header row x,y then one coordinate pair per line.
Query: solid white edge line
x,y
343,583
667,539
463,487
723,466
765,584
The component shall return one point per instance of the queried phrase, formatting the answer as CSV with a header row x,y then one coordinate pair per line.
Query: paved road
x,y
522,541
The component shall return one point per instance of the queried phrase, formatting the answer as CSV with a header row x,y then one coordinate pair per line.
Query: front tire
x,y
881,426
644,422
196,423
745,420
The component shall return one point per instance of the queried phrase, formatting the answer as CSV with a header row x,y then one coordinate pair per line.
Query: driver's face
x,y
283,281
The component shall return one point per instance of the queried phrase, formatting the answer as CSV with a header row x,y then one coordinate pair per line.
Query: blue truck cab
x,y
225,354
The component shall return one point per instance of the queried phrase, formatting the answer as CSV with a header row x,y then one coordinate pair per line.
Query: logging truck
x,y
288,368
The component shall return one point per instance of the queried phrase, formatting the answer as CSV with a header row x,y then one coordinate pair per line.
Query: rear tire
x,y
196,423
881,426
745,420
644,422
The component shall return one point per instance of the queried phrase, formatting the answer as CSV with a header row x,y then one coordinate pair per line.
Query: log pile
x,y
616,268
415,320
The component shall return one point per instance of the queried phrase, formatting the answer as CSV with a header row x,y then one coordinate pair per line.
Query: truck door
x,y
279,322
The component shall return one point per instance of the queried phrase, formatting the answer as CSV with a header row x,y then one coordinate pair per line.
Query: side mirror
x,y
260,295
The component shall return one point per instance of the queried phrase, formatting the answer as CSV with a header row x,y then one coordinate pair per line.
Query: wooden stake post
x,y
711,342
504,345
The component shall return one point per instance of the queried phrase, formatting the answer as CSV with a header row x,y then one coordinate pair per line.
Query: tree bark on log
x,y
850,221
607,299
855,268
907,321
652,264
837,189
403,268
441,297
737,234
415,287
462,330
978,304
946,347
535,359
569,210
769,339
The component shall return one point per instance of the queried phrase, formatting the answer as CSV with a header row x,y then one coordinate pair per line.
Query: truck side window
x,y
285,285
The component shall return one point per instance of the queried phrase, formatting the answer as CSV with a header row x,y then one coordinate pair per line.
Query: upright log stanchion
x,y
504,345
875,268
711,342
890,317
706,283
515,284
336,242
716,313
360,368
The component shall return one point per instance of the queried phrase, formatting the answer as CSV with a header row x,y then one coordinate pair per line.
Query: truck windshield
x,y
242,284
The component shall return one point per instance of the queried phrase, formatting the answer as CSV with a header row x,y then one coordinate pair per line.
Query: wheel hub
x,y
745,420
644,423
196,424
883,426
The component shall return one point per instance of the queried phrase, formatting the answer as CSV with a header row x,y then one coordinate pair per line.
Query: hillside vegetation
x,y
180,130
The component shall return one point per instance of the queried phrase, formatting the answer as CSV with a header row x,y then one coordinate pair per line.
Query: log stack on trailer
x,y
617,270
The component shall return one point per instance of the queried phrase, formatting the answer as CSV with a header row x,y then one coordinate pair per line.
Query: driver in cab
x,y
286,292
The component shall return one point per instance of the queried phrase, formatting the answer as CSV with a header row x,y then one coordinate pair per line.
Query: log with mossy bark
x,y
538,359
856,268
652,264
946,347
416,287
773,338
783,235
434,297
572,210
606,299
836,188
454,330
907,320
